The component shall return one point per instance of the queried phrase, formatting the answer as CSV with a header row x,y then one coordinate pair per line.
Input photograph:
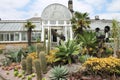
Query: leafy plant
x,y
67,50
15,56
83,58
59,73
31,49
88,41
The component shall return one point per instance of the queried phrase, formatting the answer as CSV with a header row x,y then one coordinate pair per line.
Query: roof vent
x,y
97,18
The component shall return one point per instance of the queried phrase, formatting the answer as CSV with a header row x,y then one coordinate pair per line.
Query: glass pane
x,y
67,22
16,36
45,22
38,36
52,22
24,36
60,22
1,37
33,36
11,37
6,37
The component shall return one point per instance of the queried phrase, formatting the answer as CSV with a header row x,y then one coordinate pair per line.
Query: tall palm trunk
x,y
29,36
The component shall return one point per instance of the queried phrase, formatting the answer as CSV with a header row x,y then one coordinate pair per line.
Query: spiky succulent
x,y
59,73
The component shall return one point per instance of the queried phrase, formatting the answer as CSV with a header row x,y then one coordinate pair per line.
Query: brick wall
x,y
15,44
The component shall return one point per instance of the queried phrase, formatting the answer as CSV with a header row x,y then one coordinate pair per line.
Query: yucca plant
x,y
59,73
67,50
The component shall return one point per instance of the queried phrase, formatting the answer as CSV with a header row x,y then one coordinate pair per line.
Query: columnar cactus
x,y
44,42
29,65
38,49
43,62
49,42
23,63
38,69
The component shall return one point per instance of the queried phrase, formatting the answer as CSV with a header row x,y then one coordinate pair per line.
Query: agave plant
x,y
88,40
59,73
66,51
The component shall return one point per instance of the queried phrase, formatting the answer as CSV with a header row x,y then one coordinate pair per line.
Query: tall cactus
x,y
29,65
43,62
38,49
49,42
23,63
38,69
44,42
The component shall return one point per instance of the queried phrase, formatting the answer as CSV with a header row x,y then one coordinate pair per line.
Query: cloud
x,y
9,9
109,16
7,4
39,6
82,6
97,4
114,6
12,14
24,9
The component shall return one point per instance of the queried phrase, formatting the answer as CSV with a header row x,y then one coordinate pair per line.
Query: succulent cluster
x,y
59,73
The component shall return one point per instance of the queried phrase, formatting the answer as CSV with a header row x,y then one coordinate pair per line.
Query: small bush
x,y
110,65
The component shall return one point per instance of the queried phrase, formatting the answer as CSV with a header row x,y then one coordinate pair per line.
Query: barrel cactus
x,y
29,65
23,63
38,69
43,62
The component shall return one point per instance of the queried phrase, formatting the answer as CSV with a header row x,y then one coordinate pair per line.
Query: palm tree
x,y
29,27
80,21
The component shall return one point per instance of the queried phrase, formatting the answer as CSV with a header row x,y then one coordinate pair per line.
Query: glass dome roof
x,y
56,12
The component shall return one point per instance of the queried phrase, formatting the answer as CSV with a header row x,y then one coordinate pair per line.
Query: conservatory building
x,y
55,18
54,21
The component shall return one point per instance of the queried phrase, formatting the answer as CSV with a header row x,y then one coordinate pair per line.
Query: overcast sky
x,y
24,9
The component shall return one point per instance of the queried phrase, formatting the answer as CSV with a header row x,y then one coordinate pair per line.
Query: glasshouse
x,y
62,44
